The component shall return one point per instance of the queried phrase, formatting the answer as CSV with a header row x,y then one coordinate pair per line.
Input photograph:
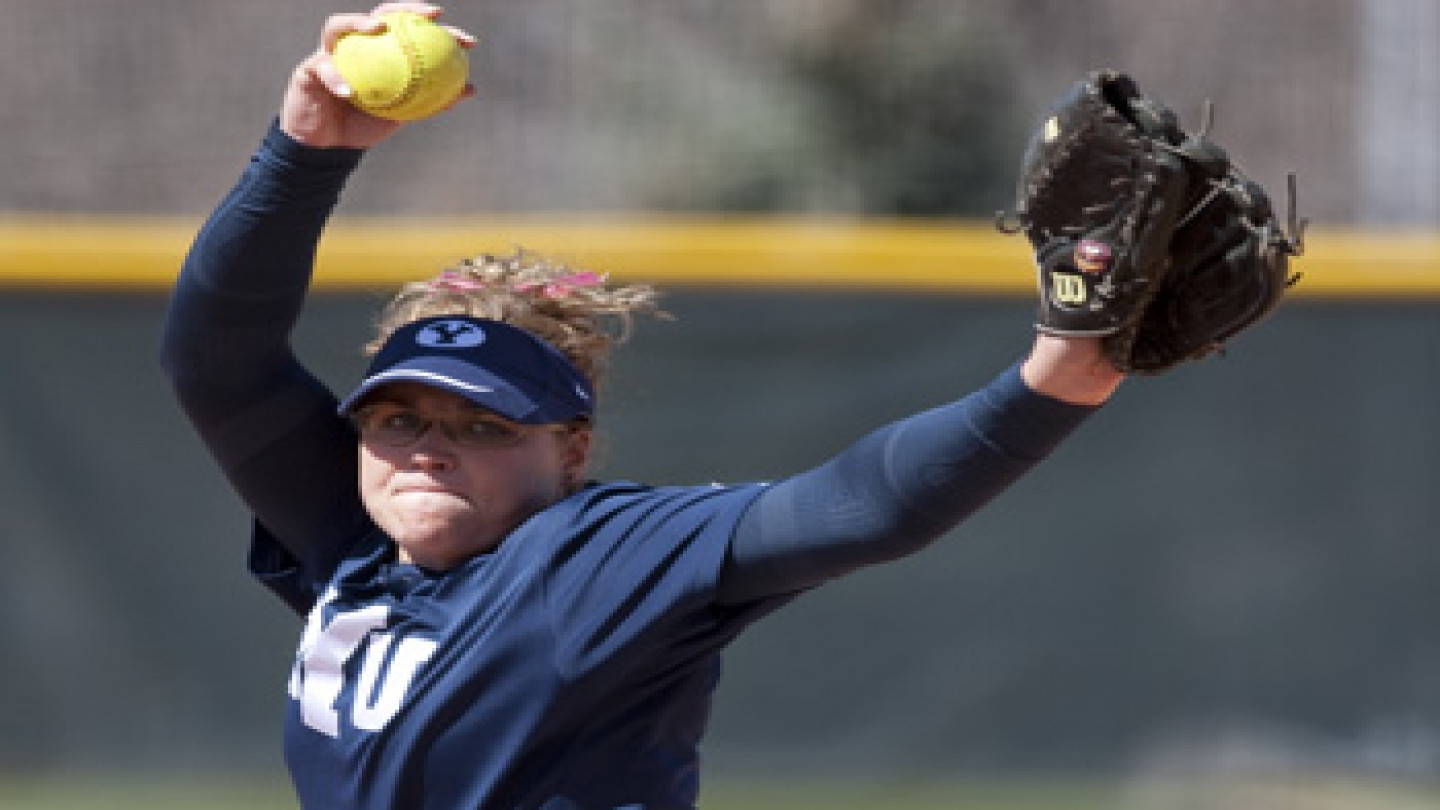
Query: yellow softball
x,y
411,70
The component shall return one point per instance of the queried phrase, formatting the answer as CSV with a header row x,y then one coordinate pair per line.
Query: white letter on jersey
x,y
319,674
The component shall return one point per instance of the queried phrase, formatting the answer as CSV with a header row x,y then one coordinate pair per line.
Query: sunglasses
x,y
394,425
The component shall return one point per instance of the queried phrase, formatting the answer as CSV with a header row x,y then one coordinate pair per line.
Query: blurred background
x,y
1220,593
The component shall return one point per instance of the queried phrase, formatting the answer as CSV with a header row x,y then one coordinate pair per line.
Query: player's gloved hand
x,y
1145,236
1101,191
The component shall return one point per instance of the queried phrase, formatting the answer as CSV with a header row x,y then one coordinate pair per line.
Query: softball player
x,y
487,627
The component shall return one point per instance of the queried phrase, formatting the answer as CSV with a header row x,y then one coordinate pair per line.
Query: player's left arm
x,y
900,488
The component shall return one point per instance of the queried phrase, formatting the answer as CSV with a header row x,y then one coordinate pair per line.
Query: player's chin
x,y
440,539
437,549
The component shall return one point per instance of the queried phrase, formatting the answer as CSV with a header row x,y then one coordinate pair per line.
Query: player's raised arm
x,y
1151,251
903,486
269,423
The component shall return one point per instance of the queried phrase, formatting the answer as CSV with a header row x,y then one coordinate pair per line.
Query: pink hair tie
x,y
562,286
451,281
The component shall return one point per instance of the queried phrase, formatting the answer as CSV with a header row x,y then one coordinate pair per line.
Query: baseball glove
x,y
1144,234
1229,267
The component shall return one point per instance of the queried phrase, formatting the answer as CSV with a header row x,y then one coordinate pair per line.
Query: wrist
x,y
1071,369
297,151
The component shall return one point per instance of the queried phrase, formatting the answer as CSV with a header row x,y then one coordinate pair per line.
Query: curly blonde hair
x,y
578,312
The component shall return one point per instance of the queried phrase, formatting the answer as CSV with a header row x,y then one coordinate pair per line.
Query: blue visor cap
x,y
492,364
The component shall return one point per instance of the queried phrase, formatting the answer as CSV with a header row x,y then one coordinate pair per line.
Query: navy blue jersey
x,y
526,677
572,667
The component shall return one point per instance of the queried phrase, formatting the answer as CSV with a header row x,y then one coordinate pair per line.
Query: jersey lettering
x,y
318,678
374,706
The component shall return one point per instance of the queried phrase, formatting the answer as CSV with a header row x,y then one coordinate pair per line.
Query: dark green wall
x,y
1246,545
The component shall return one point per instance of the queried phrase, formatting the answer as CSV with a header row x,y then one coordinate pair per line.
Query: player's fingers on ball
x,y
423,9
320,68
465,38
330,75
338,25
305,71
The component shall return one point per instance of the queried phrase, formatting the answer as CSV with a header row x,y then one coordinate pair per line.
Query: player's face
x,y
448,481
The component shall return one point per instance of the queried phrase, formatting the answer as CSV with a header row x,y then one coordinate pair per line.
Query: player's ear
x,y
575,450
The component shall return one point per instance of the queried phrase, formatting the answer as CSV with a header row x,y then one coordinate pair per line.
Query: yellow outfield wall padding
x,y
905,255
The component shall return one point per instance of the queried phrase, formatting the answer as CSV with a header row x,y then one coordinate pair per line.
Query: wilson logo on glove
x,y
1068,289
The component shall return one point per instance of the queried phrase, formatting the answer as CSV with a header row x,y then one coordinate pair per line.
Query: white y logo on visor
x,y
450,335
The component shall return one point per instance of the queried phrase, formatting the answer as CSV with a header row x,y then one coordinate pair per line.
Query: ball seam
x,y
416,62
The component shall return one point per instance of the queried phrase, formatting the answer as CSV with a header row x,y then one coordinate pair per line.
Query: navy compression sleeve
x,y
895,491
225,348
